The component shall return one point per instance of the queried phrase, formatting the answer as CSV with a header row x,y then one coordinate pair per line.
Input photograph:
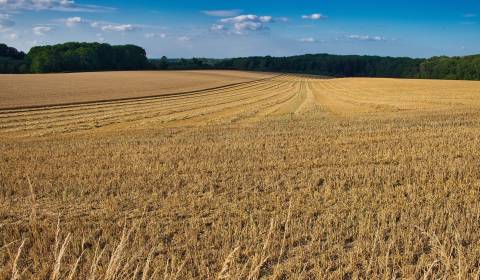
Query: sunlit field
x,y
239,176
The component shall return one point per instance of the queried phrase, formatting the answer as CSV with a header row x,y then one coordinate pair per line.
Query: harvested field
x,y
54,89
283,177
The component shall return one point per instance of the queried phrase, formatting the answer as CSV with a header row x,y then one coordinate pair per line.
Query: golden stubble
x,y
288,177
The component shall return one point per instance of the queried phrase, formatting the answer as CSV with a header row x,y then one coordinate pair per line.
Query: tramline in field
x,y
245,175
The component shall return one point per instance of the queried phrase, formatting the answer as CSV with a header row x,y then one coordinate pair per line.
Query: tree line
x,y
76,57
81,57
453,68
329,65
11,60
73,57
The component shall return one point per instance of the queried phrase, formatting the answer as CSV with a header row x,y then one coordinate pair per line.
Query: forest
x,y
12,60
84,57
330,65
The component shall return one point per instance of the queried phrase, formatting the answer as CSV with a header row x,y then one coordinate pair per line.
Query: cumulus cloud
x,y
72,21
155,35
247,18
244,23
366,38
119,27
41,30
308,40
54,5
6,22
222,13
314,17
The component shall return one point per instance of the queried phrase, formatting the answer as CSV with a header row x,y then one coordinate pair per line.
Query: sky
x,y
219,28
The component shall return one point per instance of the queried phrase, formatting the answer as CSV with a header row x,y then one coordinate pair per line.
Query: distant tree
x,y
453,68
331,65
164,63
72,57
11,60
9,52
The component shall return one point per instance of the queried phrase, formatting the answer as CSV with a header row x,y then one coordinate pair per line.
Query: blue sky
x,y
189,28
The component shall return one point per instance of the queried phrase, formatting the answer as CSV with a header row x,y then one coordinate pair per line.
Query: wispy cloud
x,y
222,13
184,38
366,38
6,22
11,36
120,27
112,27
308,40
102,25
470,15
53,5
314,17
41,30
100,37
218,27
155,35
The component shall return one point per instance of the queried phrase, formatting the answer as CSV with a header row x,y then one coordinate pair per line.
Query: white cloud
x,y
5,22
218,27
245,23
72,21
249,25
266,19
184,38
222,13
54,5
366,38
112,27
247,18
314,16
308,40
100,37
41,30
470,15
11,36
155,35
119,28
